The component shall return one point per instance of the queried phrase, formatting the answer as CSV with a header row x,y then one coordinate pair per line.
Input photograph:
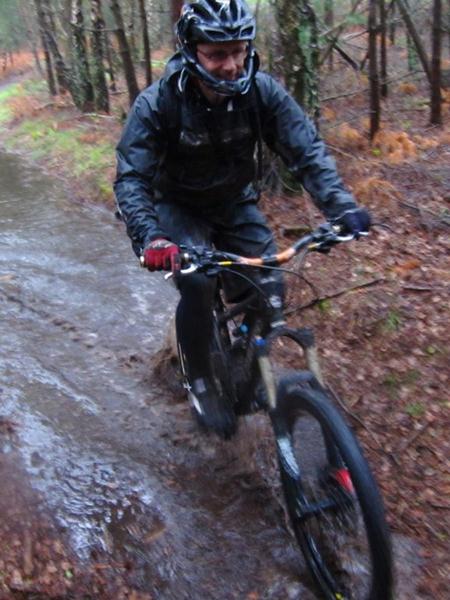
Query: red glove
x,y
161,254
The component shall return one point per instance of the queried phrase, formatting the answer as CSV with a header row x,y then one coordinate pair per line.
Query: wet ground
x,y
113,457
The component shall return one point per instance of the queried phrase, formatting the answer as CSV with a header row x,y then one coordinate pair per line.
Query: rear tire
x,y
344,538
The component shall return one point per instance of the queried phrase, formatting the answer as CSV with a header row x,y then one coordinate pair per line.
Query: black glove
x,y
354,221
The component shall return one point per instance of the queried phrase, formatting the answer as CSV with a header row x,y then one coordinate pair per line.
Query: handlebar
x,y
204,259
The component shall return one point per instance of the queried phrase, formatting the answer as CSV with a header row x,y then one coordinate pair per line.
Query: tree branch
x,y
341,292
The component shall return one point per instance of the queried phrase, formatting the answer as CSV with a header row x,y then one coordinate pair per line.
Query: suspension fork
x,y
306,340
266,370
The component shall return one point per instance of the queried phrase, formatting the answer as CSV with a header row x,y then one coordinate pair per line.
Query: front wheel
x,y
332,499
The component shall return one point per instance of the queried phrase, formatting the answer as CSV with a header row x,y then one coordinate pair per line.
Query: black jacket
x,y
177,148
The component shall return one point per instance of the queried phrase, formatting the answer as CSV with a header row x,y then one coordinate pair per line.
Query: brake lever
x,y
191,269
351,236
326,245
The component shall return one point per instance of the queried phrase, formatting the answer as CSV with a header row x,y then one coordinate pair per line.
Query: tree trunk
x,y
298,32
82,77
132,30
415,37
373,70
448,25
311,53
176,6
37,60
392,25
383,51
329,22
125,53
109,60
436,102
51,82
146,43
411,54
32,37
98,77
62,74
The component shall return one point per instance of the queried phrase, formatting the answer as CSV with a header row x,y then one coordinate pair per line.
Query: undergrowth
x,y
57,138
6,113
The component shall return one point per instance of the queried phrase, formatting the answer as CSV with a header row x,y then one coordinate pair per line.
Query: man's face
x,y
224,60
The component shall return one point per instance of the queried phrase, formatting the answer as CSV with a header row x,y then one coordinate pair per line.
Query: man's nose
x,y
229,65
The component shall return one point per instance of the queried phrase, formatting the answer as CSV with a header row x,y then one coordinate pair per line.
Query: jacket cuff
x,y
154,235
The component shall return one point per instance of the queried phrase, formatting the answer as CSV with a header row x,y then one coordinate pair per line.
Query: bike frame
x,y
260,338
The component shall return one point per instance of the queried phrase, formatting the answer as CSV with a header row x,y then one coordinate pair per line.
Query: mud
x,y
99,447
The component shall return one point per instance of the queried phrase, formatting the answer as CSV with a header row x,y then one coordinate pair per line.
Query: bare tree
x,y
176,6
415,37
448,24
51,82
436,102
329,22
63,74
49,44
125,52
32,36
98,76
109,60
392,25
298,31
146,43
383,49
374,84
130,18
81,72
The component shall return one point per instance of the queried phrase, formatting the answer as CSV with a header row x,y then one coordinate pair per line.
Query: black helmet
x,y
207,21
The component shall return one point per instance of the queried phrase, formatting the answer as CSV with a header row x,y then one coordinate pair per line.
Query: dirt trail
x,y
103,459
108,490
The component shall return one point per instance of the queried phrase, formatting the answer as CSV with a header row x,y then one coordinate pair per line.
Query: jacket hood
x,y
174,66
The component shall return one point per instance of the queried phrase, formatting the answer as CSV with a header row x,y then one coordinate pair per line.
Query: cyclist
x,y
186,172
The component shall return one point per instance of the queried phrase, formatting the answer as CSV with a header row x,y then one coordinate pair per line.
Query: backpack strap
x,y
170,107
255,121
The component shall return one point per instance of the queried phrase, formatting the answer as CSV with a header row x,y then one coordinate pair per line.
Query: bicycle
x,y
332,499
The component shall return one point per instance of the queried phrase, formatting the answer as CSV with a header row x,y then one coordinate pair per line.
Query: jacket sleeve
x,y
292,135
138,154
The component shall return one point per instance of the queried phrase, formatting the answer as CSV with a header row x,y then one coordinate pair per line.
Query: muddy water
x,y
113,454
117,462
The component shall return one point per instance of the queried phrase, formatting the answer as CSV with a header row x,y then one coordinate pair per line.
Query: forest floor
x,y
379,307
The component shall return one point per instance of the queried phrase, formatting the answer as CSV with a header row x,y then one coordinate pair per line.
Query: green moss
x,y
392,380
415,410
393,321
324,306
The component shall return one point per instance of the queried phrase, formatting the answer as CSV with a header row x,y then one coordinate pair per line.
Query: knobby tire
x,y
299,400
